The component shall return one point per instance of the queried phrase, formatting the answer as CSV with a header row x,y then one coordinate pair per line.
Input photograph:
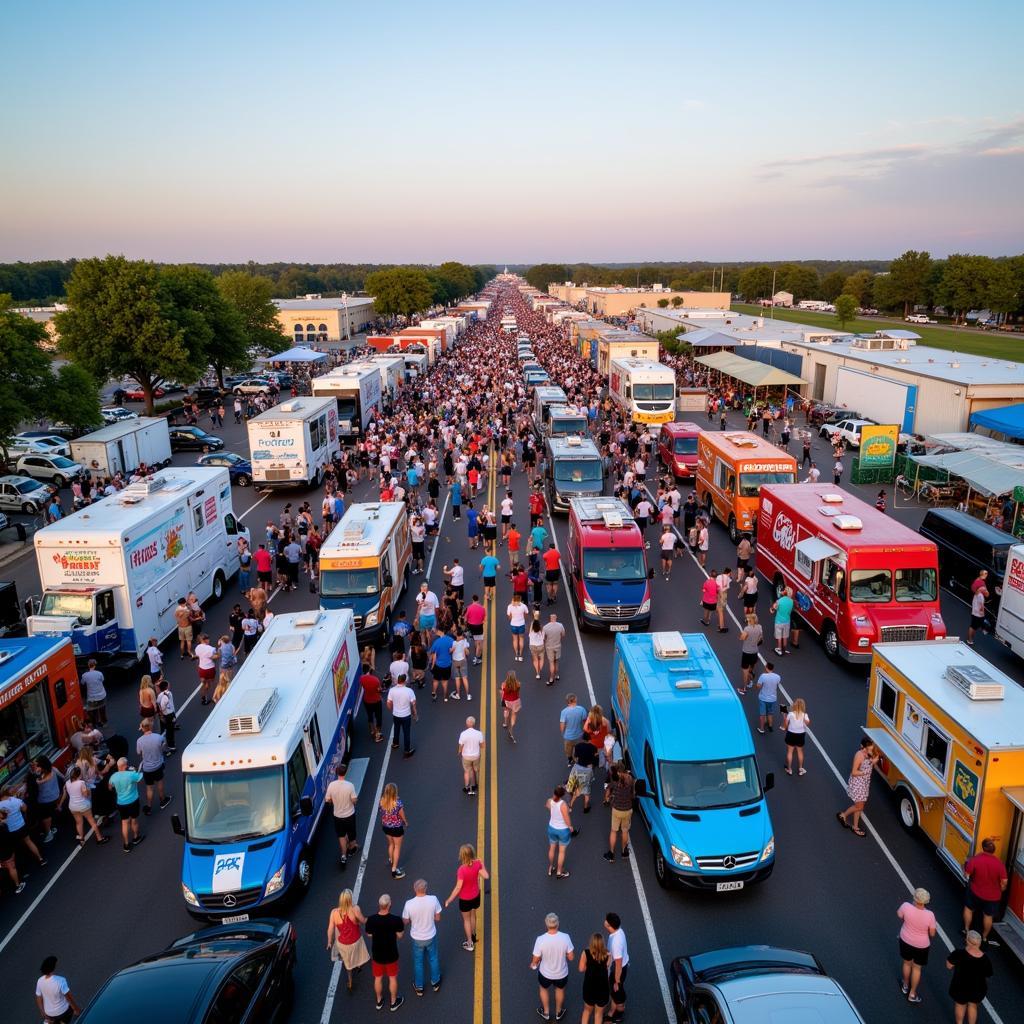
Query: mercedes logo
x,y
229,900
728,863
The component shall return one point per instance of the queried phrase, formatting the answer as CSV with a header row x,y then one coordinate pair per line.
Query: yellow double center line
x,y
488,795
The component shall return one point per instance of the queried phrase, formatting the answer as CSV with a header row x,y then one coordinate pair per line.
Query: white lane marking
x,y
266,495
842,782
336,967
645,910
437,539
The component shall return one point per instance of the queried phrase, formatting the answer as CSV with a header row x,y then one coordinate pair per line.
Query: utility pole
x,y
773,294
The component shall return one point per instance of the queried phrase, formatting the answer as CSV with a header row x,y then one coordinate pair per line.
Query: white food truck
x,y
113,572
356,389
124,446
392,372
643,389
293,442
1010,619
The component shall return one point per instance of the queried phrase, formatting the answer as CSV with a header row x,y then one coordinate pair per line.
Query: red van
x,y
677,447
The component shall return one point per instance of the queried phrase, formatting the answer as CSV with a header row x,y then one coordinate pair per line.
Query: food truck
x,y
950,727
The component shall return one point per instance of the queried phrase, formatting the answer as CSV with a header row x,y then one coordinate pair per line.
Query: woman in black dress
x,y
594,967
971,970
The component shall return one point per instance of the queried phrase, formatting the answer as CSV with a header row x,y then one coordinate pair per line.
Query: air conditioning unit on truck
x,y
113,572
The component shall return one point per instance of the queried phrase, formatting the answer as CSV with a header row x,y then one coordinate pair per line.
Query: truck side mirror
x,y
306,806
769,781
387,579
176,826
640,788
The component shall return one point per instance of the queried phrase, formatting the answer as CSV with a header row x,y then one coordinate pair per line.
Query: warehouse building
x,y
619,301
313,319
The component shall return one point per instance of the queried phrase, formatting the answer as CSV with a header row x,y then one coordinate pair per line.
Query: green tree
x,y
73,398
663,303
399,291
799,279
544,274
861,285
908,279
832,286
250,295
756,283
458,279
677,300
117,324
963,284
846,309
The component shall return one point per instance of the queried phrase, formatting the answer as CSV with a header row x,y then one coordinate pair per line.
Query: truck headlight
x,y
189,895
371,617
589,607
861,620
276,882
681,857
645,607
769,851
936,619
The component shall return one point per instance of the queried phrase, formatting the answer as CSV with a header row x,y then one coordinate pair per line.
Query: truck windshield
x,y
917,585
348,582
654,392
611,565
346,408
227,807
685,446
704,785
871,586
578,471
569,426
751,483
79,605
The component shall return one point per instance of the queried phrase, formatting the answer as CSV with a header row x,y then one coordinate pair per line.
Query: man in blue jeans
x,y
421,915
402,705
768,683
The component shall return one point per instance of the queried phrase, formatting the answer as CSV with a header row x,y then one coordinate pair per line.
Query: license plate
x,y
619,627
239,918
728,886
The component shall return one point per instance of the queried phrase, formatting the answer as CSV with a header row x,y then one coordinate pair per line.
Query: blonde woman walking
x,y
536,639
511,704
147,702
393,823
859,785
222,686
795,725
79,800
345,936
596,986
467,890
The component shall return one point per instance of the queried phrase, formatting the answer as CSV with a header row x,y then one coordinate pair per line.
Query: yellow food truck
x,y
950,727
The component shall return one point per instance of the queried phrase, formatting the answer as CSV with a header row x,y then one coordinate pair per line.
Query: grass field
x,y
998,345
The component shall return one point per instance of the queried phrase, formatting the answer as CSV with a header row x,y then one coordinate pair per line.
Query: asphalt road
x,y
831,893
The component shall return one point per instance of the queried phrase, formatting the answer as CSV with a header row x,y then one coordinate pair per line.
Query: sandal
x,y
562,874
842,820
859,832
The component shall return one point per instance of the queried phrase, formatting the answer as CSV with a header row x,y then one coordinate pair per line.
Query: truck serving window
x,y
653,392
704,785
79,605
614,565
685,446
346,407
226,807
578,471
917,585
751,483
348,582
871,586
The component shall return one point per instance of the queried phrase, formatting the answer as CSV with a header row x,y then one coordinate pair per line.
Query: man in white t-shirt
x,y
402,705
551,955
421,914
398,667
207,667
643,512
341,795
618,955
471,740
53,997
460,664
427,603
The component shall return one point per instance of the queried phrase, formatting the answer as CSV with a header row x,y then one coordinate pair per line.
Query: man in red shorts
x,y
385,929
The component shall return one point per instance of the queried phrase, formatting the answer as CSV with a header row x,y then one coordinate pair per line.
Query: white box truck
x,y
415,364
293,442
1010,617
113,572
392,372
356,389
123,447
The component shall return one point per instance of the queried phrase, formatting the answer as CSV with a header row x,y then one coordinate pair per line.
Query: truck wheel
x,y
28,508
218,586
303,874
243,480
830,638
908,809
734,534
59,481
660,867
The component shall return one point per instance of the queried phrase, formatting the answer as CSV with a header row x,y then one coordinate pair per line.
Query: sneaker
x,y
398,873
353,847
914,999
20,888
803,771
455,696
904,987
760,732
469,696
778,651
608,856
564,1010
418,991
166,800
343,862
542,1014
626,852
433,697
50,836
409,753
380,1004
127,849
436,985
468,946
138,839
993,943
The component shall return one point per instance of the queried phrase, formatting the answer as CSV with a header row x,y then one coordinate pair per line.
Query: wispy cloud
x,y
1003,151
693,104
855,156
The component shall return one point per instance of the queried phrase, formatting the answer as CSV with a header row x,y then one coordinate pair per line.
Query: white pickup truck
x,y
846,430
918,318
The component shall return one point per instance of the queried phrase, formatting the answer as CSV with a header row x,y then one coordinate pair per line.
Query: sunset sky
x,y
411,132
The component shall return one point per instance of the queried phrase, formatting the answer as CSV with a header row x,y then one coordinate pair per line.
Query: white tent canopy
x,y
981,468
299,354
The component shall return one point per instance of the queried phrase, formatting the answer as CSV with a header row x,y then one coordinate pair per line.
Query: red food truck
x,y
858,576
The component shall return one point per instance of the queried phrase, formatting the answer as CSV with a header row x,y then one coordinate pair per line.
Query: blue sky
x,y
405,131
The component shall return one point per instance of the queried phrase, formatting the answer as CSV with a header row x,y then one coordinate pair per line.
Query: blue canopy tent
x,y
705,337
299,354
1007,420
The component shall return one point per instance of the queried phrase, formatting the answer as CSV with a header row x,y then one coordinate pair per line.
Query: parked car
x,y
847,431
206,393
748,984
37,444
23,494
253,386
134,393
239,469
194,439
919,318
117,413
237,973
58,470
169,387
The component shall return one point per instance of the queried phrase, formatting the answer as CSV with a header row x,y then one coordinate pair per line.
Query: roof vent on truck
x,y
254,711
742,440
669,646
974,683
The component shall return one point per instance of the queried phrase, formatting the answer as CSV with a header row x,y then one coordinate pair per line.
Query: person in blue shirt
x,y
54,511
472,530
538,535
489,566
457,500
339,507
125,783
441,665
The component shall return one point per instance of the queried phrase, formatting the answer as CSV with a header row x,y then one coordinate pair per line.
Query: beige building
x,y
313,319
619,301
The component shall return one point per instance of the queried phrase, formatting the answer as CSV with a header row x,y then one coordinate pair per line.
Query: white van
x,y
294,442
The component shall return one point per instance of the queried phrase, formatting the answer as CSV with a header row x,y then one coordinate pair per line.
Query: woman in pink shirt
x,y
709,599
915,937
467,889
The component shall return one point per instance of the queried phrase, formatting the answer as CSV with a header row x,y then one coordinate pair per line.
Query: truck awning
x,y
814,549
920,781
1015,794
